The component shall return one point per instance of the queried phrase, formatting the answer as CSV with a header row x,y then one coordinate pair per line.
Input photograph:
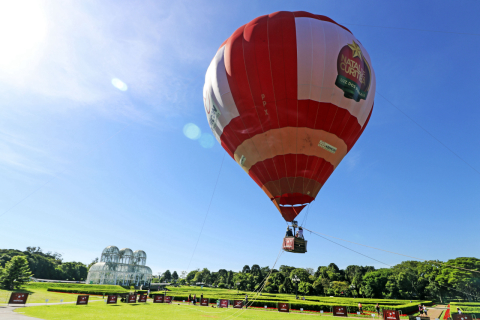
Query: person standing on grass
x,y
420,310
201,297
194,299
189,298
246,301
360,307
377,307
425,310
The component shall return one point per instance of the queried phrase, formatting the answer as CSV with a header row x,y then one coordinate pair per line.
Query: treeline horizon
x,y
410,280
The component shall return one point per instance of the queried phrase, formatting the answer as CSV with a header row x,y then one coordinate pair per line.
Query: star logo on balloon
x,y
356,51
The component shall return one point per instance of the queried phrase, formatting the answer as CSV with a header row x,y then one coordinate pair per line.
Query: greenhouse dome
x,y
120,267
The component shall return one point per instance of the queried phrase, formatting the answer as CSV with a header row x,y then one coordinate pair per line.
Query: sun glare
x,y
23,27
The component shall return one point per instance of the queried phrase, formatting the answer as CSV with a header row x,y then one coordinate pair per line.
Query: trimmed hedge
x,y
89,291
46,285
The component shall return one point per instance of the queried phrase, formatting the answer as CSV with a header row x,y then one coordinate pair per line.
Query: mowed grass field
x,y
38,295
99,310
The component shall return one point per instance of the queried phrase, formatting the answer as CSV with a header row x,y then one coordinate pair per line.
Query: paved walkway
x,y
435,312
7,312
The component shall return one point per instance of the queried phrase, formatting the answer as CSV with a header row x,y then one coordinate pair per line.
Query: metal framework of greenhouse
x,y
120,267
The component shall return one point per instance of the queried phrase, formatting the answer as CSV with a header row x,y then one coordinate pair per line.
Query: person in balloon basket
x,y
289,232
299,233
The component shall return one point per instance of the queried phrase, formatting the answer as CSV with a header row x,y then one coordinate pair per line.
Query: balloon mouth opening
x,y
293,199
293,206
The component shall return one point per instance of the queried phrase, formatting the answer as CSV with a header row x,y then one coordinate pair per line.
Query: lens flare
x,y
192,131
119,84
207,140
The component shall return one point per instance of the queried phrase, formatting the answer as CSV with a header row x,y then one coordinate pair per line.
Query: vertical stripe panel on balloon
x,y
232,48
290,51
304,79
277,62
257,65
319,54
238,81
257,61
240,86
217,95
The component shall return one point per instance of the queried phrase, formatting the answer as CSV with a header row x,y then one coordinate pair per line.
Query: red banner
x,y
142,298
238,304
132,298
391,315
204,302
340,312
168,299
458,316
112,299
158,298
223,303
18,298
283,307
288,243
82,300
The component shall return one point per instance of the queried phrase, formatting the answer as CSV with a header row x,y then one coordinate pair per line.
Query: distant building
x,y
122,267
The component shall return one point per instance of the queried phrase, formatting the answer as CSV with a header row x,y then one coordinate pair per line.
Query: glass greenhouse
x,y
122,267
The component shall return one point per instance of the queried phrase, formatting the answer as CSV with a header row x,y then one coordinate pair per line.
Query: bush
x,y
222,285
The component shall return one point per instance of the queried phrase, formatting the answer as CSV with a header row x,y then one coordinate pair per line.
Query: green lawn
x,y
38,295
147,311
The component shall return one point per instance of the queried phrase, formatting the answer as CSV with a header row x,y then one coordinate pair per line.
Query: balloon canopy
x,y
287,96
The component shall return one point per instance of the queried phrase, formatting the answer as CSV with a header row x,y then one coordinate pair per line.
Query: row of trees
x,y
46,265
407,280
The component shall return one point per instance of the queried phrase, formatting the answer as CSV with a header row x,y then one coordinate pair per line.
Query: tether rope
x,y
430,134
452,288
208,210
259,290
400,254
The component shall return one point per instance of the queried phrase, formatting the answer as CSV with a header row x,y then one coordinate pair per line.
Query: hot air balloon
x,y
287,96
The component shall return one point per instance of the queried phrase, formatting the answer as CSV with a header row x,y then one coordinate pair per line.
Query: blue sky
x,y
113,167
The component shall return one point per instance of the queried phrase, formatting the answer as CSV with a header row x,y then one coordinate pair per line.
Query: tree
x,y
325,285
255,270
339,287
175,276
168,276
265,270
34,249
246,269
286,270
305,288
374,283
301,273
463,281
287,286
317,286
15,273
